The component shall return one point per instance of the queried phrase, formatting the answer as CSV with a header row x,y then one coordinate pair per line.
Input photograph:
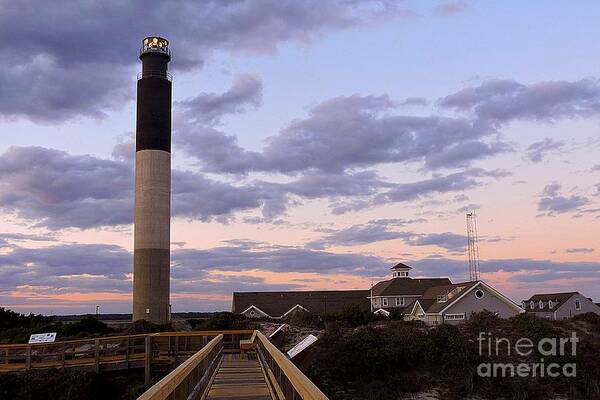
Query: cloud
x,y
449,241
420,190
209,108
500,101
451,8
386,229
371,232
538,150
65,267
343,133
414,101
240,257
57,190
60,66
552,202
580,250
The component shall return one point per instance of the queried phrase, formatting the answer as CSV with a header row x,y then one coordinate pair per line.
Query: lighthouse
x,y
151,263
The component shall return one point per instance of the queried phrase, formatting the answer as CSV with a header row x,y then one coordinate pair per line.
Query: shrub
x,y
222,321
484,321
590,317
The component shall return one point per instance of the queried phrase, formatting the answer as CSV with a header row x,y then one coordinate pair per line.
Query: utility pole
x,y
371,299
97,312
473,246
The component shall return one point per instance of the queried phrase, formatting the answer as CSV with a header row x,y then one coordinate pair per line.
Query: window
x,y
523,304
385,302
577,305
479,294
252,313
420,316
454,317
398,301
442,298
550,304
532,305
541,305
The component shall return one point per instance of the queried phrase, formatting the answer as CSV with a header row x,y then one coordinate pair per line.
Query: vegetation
x,y
390,360
16,328
351,316
69,385
222,321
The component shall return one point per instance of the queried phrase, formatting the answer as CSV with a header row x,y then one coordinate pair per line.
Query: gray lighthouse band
x,y
151,264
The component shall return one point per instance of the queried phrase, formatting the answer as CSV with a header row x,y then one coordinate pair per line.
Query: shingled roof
x,y
407,286
400,265
429,299
558,299
276,304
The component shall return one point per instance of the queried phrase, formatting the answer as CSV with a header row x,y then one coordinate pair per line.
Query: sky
x,y
315,145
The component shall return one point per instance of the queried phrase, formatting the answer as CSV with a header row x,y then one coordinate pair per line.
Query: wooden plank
x,y
148,360
167,386
305,388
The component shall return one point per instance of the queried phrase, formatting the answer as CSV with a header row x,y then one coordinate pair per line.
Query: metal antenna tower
x,y
473,246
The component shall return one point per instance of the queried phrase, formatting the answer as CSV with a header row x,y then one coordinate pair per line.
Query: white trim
x,y
382,311
277,330
494,291
412,311
392,295
455,317
257,309
293,309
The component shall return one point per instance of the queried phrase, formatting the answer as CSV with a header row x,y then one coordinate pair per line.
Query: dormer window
x,y
532,305
541,305
550,304
523,304
442,298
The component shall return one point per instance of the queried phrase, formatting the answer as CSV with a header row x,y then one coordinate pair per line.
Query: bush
x,y
11,320
591,318
484,321
529,326
222,321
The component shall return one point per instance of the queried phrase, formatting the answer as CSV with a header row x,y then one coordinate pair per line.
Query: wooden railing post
x,y
176,349
28,355
147,359
97,355
62,355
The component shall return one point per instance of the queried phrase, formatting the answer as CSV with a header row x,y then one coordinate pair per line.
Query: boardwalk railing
x,y
73,353
115,352
288,381
190,379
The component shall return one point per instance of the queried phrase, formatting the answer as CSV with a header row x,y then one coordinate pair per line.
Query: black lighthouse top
x,y
153,126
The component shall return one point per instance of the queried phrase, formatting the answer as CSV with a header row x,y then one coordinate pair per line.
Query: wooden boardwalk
x,y
238,378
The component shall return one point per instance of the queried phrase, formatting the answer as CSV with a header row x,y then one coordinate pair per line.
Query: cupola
x,y
400,270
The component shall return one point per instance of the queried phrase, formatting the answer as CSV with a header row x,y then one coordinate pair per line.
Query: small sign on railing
x,y
42,338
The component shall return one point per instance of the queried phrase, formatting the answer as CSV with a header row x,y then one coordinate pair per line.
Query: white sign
x,y
304,344
42,338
